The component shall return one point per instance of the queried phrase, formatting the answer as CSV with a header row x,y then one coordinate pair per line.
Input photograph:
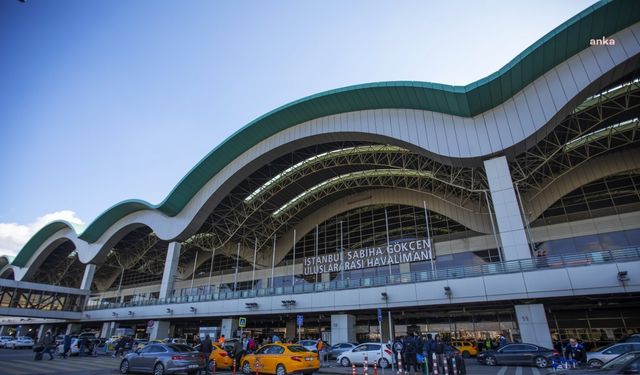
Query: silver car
x,y
340,348
158,359
604,355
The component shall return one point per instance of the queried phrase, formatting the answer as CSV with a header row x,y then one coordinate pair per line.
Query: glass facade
x,y
608,196
590,243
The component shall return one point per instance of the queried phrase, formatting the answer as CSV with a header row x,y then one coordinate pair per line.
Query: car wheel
x,y
158,369
246,368
124,367
595,363
383,363
490,361
466,354
541,362
345,362
280,370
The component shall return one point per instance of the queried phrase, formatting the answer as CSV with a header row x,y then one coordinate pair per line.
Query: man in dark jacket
x,y
410,349
576,351
206,348
66,345
428,349
47,342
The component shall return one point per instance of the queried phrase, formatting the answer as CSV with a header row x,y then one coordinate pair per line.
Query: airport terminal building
x,y
510,205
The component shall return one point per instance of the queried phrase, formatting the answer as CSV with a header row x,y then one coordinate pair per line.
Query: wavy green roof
x,y
602,19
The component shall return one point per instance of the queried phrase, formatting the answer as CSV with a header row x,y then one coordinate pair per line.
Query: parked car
x,y
340,348
221,356
518,354
466,348
20,343
4,340
311,345
281,359
627,363
372,351
159,359
604,355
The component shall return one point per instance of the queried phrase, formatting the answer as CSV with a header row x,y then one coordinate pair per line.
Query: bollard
x,y
257,365
375,368
353,369
445,363
365,368
453,366
435,364
214,367
234,367
400,364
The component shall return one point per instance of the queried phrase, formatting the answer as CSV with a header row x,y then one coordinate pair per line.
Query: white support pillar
x,y
291,330
104,332
87,278
170,269
507,211
41,331
343,328
533,325
160,330
229,327
325,277
111,330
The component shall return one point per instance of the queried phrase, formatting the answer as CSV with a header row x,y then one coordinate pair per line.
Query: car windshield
x,y
620,361
297,348
180,348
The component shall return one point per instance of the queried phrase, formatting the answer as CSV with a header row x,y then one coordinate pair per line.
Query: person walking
x,y
410,350
428,348
47,342
66,345
206,348
502,341
221,340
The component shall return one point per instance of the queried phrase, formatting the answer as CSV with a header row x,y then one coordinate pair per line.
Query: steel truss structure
x,y
604,123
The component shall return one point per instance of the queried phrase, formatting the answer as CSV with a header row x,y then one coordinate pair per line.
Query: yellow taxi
x,y
466,348
281,359
222,358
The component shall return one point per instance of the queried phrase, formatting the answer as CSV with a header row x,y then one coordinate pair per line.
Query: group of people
x,y
414,351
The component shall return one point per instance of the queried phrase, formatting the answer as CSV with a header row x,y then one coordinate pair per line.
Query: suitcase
x,y
38,356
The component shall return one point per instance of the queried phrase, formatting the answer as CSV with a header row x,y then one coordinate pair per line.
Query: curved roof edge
x,y
601,19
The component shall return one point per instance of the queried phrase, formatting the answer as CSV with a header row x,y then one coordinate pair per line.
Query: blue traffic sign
x,y
300,320
379,314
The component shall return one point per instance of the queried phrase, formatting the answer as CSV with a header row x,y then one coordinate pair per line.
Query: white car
x,y
19,343
4,340
372,352
310,345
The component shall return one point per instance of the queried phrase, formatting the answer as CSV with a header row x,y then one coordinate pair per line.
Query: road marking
x,y
518,370
535,371
503,369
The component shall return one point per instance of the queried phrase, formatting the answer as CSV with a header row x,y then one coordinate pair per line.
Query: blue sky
x,y
102,101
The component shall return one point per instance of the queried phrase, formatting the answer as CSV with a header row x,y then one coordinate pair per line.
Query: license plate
x,y
308,359
193,366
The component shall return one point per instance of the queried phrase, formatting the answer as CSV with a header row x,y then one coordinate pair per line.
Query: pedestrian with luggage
x,y
47,343
575,351
410,350
66,345
428,348
206,347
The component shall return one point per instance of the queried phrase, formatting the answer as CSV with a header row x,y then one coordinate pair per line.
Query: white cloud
x,y
13,236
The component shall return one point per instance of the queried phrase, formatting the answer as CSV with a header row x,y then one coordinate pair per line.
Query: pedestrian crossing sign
x,y
242,322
